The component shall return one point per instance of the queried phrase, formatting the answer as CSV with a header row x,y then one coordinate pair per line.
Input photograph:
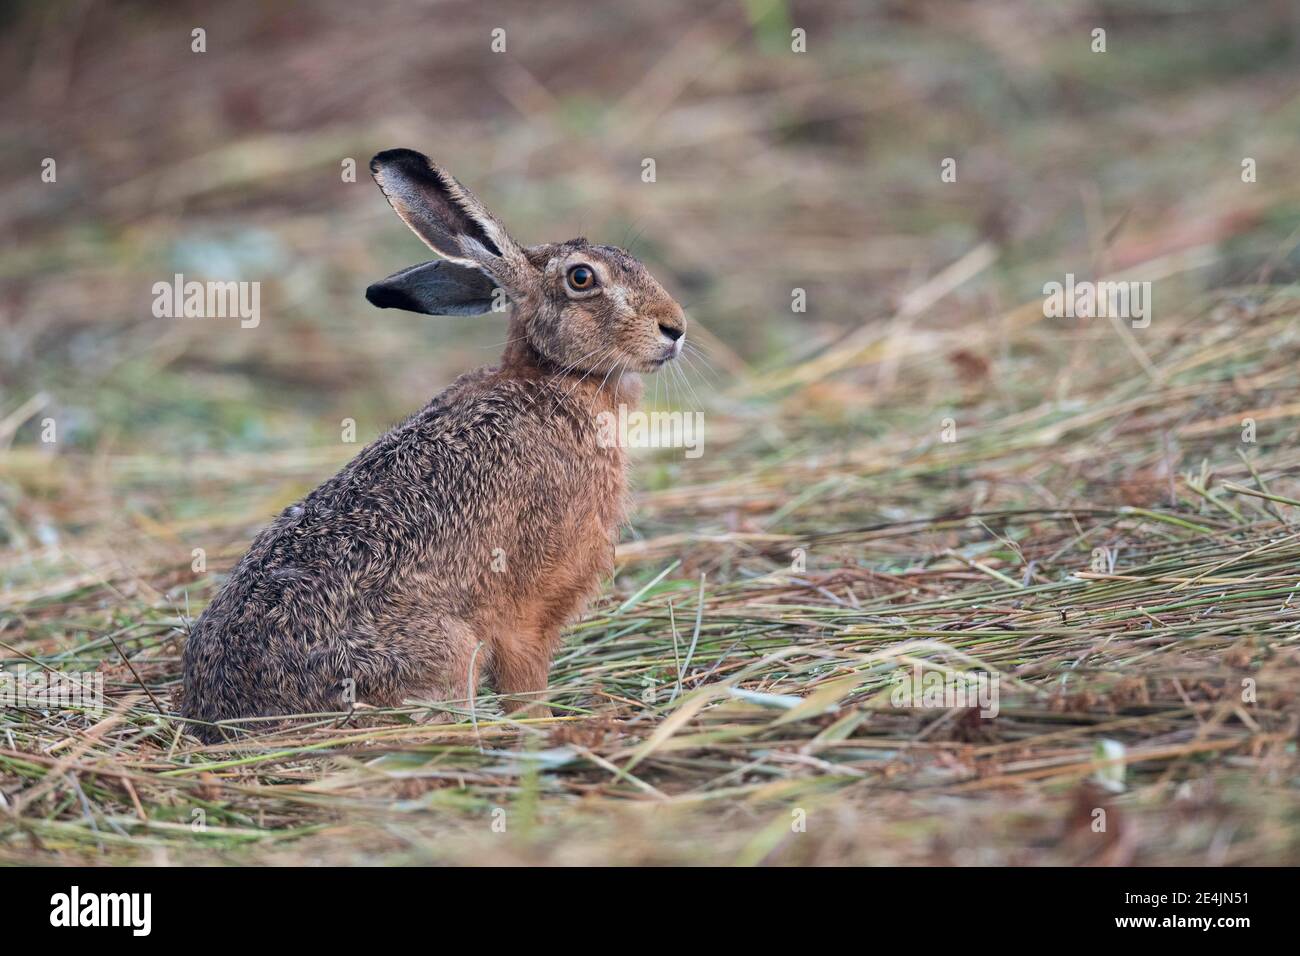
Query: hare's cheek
x,y
598,327
631,328
647,334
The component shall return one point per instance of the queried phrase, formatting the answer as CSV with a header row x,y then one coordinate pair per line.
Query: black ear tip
x,y
399,157
384,296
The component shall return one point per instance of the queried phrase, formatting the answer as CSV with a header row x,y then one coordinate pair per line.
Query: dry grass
x,y
664,753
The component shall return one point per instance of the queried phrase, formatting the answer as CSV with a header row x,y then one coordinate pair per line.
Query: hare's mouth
x,y
653,359
671,350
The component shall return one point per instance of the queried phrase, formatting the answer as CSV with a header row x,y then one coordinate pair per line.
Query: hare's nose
x,y
672,334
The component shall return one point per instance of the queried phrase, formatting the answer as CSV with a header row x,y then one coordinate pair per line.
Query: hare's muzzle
x,y
673,339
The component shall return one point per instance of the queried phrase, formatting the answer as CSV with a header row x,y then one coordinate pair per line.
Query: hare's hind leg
x,y
450,670
394,659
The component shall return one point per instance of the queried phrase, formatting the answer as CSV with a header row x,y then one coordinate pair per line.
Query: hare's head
x,y
581,307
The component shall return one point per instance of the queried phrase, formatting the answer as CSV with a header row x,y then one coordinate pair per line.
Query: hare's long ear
x,y
435,288
450,219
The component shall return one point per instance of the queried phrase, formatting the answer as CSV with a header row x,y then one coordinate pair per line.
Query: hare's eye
x,y
581,278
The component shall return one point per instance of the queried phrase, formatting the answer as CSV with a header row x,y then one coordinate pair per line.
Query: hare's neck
x,y
520,359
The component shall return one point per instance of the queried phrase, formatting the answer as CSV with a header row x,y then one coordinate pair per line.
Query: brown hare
x,y
458,544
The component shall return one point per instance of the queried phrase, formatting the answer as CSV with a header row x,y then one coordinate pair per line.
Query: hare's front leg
x,y
520,664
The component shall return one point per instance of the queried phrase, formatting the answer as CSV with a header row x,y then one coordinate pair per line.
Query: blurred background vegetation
x,y
776,171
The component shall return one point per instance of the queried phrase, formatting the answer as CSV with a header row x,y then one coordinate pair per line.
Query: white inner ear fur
x,y
510,270
475,249
470,206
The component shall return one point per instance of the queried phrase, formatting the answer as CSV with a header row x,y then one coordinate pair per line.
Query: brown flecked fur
x,y
470,534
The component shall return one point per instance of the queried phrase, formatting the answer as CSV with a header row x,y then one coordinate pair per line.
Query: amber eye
x,y
581,278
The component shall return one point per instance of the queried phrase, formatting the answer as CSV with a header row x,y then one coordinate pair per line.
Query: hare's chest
x,y
577,555
597,510
610,477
